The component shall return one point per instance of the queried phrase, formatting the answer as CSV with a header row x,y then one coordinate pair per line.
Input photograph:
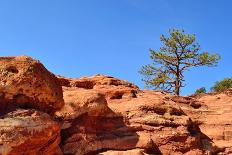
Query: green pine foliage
x,y
179,52
222,85
201,90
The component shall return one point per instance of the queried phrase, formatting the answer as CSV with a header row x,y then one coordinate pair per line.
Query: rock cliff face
x,y
115,117
41,114
214,118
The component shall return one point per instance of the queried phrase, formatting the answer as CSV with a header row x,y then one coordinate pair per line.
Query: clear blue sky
x,y
84,37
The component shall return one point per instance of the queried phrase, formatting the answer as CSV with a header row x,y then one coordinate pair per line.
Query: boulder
x,y
26,83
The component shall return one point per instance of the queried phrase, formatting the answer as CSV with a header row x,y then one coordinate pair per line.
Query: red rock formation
x,y
28,132
81,101
146,122
128,152
25,82
214,119
111,87
104,115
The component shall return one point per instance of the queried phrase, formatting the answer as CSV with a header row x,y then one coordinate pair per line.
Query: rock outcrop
x,y
143,122
127,152
25,82
111,87
28,94
28,132
214,119
41,114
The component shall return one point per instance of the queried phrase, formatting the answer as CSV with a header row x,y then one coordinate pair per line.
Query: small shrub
x,y
201,90
222,85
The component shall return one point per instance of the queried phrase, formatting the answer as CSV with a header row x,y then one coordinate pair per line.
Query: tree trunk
x,y
177,84
177,87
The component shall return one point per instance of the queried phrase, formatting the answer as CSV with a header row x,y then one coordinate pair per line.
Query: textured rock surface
x,y
146,122
80,101
26,85
25,82
128,152
111,87
214,118
156,116
28,132
104,115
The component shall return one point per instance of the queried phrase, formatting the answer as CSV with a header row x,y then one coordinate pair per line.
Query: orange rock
x,y
29,132
111,87
127,152
214,118
103,113
80,101
26,83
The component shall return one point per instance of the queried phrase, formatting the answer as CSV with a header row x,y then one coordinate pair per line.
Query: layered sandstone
x,y
28,132
133,121
104,115
214,119
111,87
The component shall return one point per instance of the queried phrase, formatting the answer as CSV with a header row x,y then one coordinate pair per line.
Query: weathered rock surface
x,y
26,83
169,128
214,118
128,152
111,87
104,115
29,132
146,122
26,89
80,101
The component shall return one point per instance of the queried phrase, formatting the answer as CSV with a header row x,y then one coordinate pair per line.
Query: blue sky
x,y
84,37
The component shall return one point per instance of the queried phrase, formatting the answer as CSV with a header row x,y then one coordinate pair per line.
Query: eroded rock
x,y
127,152
26,83
29,132
148,123
214,119
111,87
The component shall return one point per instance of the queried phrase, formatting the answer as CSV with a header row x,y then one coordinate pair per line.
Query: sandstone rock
x,y
91,82
147,123
28,132
89,134
80,101
168,127
86,117
214,119
105,115
187,100
128,152
26,83
111,87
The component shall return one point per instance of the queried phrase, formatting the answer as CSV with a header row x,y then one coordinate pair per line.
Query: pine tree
x,y
179,52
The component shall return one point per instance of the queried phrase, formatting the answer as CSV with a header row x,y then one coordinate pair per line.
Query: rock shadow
x,y
92,133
